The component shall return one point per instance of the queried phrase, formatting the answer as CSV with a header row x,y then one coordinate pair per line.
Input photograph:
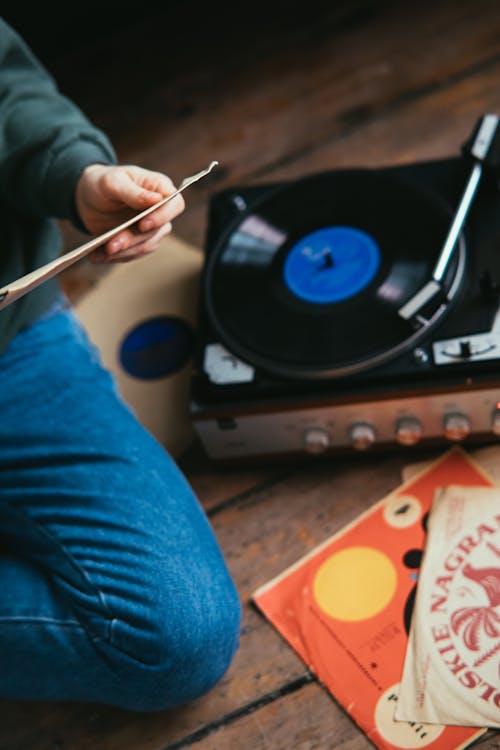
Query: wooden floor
x,y
277,94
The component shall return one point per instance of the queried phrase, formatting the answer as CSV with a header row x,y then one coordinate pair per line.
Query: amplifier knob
x,y
316,440
408,431
362,436
456,426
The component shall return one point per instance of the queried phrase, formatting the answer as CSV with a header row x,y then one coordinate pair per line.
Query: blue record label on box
x,y
156,347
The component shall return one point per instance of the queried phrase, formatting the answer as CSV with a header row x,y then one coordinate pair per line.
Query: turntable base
x,y
340,426
312,336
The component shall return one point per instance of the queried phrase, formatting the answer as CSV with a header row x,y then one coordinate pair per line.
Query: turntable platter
x,y
308,280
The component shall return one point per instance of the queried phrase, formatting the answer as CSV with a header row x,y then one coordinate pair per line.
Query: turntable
x,y
353,309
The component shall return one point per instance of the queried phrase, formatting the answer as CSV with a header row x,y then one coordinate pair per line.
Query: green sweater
x,y
45,143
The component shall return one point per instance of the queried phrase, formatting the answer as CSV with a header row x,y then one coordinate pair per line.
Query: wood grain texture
x,y
347,68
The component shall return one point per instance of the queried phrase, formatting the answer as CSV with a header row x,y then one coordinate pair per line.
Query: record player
x,y
353,309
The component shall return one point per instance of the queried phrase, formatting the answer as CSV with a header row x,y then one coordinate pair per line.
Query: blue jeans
x,y
112,586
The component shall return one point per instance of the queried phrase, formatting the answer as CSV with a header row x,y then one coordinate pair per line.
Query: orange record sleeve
x,y
346,607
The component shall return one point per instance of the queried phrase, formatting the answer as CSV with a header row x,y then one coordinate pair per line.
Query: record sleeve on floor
x,y
452,666
346,607
141,316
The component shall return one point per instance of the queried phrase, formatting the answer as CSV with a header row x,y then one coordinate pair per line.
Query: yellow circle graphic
x,y
355,583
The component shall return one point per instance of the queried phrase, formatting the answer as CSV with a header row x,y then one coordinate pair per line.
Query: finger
x,y
136,187
146,244
142,244
127,238
163,215
150,223
155,181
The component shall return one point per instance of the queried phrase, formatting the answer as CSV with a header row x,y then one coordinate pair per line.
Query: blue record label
x,y
331,264
156,347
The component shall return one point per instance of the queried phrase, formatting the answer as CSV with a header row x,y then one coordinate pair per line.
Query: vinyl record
x,y
308,281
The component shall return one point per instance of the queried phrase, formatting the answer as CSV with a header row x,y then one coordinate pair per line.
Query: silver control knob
x,y
362,435
316,440
408,431
456,426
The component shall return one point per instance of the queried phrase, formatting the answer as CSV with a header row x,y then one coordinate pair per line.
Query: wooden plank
x,y
433,127
257,114
308,715
271,529
307,719
218,485
322,81
304,719
361,78
489,742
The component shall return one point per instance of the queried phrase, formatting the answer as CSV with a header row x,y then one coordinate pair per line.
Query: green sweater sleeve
x,y
45,139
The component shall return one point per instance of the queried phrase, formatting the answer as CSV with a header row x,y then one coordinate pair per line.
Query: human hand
x,y
108,195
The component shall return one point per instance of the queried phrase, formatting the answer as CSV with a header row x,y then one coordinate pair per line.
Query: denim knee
x,y
181,658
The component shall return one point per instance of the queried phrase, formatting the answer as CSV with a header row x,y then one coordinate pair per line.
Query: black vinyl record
x,y
308,280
